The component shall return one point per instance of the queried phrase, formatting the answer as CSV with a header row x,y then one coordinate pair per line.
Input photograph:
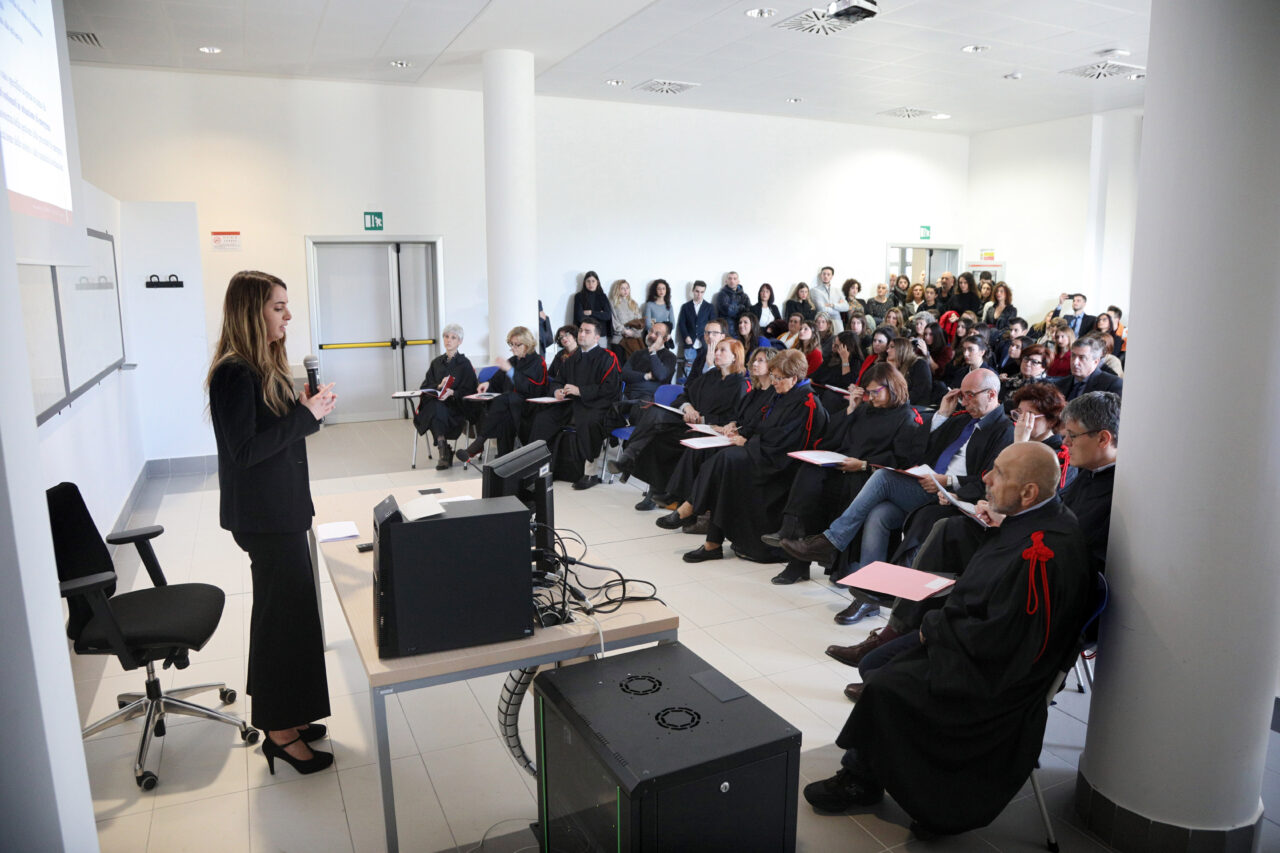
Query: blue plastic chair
x,y
666,395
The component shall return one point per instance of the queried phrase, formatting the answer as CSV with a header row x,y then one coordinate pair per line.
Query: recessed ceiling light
x,y
210,49
794,100
761,13
400,63
976,48
1013,75
940,116
614,82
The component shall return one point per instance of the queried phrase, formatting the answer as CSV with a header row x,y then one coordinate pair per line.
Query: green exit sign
x,y
924,229
373,220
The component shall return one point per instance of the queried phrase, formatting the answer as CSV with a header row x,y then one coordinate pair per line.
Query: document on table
x,y
821,458
706,442
335,531
898,581
422,507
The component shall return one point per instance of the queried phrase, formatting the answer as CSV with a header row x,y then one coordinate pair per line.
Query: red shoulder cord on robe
x,y
1038,557
916,412
614,359
543,380
1064,459
812,405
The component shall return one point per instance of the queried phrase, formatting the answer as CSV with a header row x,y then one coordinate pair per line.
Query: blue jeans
x,y
881,507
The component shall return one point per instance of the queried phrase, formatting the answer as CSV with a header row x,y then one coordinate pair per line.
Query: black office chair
x,y
139,628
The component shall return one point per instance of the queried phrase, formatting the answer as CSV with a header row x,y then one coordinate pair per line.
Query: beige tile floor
x,y
453,778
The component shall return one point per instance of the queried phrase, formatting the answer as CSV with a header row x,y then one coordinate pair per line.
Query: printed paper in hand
x,y
822,458
404,395
706,442
335,531
546,400
705,429
481,396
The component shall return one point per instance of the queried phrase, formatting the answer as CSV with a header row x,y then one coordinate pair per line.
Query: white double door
x,y
374,321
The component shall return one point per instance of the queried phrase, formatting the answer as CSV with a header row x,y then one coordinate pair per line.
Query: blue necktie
x,y
953,448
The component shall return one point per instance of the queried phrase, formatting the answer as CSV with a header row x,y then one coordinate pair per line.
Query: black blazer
x,y
262,457
993,434
1099,380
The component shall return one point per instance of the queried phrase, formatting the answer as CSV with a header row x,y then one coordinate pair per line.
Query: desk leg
x,y
379,700
315,578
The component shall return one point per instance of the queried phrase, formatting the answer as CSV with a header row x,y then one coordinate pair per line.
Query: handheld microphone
x,y
312,364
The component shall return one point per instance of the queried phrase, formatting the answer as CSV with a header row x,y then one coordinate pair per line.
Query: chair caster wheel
x,y
249,736
147,780
159,729
227,695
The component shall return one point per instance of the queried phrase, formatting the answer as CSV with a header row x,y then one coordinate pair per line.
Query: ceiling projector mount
x,y
853,10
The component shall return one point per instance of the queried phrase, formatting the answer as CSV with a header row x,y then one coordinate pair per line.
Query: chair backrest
x,y
486,373
667,394
78,548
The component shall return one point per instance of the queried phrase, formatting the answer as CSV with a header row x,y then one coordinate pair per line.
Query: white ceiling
x,y
908,56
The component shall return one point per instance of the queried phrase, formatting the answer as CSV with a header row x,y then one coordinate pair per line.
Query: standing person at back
x,y
591,302
265,501
732,300
823,297
694,315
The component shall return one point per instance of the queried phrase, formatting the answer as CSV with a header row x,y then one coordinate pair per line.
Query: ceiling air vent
x,y
907,112
86,39
665,87
1105,68
815,22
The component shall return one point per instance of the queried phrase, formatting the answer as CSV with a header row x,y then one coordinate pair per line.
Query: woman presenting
x,y
266,504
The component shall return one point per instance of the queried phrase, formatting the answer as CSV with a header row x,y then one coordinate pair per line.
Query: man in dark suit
x,y
960,450
693,317
1080,322
713,332
1086,375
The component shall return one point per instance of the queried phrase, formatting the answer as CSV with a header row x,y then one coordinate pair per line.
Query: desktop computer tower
x,y
464,578
656,751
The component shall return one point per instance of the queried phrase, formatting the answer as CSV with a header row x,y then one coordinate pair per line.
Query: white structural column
x,y
1186,676
510,193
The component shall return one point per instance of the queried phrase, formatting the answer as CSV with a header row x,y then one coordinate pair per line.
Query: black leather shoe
x,y
462,456
841,793
673,521
853,655
853,692
584,483
646,504
856,612
773,540
701,555
790,575
811,549
622,467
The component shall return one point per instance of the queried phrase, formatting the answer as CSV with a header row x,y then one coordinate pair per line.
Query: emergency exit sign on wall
x,y
924,230
373,220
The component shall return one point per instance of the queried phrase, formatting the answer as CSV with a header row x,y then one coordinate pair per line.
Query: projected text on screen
x,y
32,128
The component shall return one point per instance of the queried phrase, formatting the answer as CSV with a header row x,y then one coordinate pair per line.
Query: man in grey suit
x,y
1086,375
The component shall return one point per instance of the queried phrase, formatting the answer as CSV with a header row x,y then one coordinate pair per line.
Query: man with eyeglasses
x,y
712,334
1086,373
960,450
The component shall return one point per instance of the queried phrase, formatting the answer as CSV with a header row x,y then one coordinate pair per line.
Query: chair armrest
x,y
86,584
138,534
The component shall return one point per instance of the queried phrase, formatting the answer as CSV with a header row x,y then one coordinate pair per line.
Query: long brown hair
x,y
244,336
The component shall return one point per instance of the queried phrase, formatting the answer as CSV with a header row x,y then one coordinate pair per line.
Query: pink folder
x,y
897,581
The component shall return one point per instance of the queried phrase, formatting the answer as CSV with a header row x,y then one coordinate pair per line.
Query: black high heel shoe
x,y
272,750
313,732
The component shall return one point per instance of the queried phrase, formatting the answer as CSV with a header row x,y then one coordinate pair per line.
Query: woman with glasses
x,y
520,377
877,427
1031,368
747,484
452,378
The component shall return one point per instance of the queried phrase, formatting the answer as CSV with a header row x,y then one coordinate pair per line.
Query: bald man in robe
x,y
952,718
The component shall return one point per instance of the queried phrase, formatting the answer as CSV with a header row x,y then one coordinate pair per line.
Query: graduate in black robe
x,y
951,726
518,379
444,417
746,484
881,428
591,383
710,398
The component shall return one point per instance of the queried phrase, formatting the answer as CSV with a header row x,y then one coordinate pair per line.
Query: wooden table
x,y
636,623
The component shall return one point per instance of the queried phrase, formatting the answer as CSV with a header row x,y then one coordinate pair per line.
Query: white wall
x,y
633,191
1056,201
97,441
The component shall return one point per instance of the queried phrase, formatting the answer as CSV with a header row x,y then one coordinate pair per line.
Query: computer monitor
x,y
526,474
